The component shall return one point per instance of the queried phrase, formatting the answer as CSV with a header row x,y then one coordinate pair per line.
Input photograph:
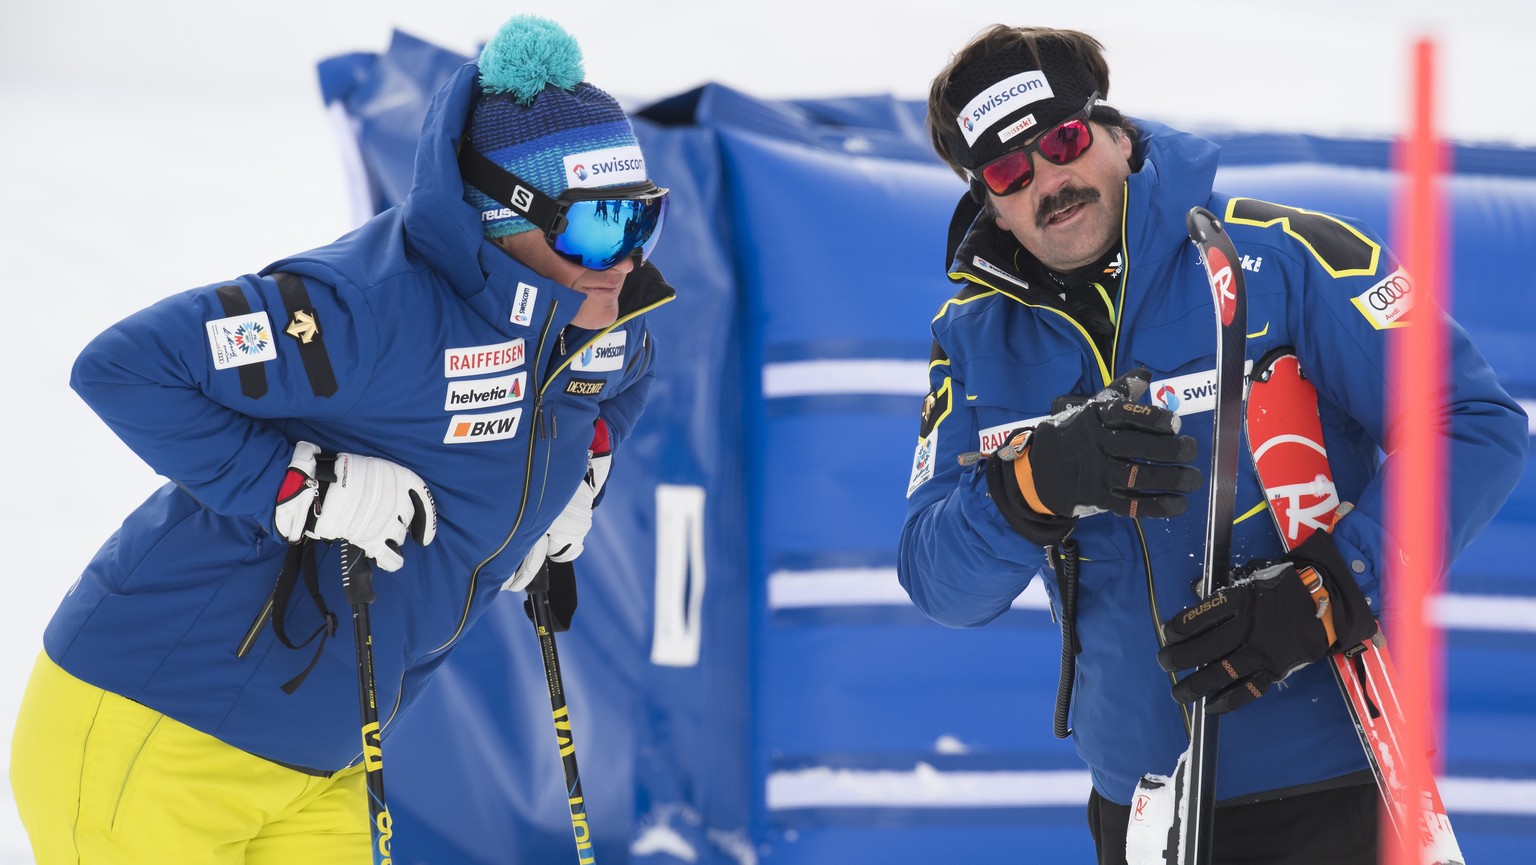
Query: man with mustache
x,y
1079,281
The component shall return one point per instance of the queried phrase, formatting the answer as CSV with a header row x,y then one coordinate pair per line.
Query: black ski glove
x,y
1108,454
1277,616
558,581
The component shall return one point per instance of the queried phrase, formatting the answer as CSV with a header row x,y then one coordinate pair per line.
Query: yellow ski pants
x,y
102,779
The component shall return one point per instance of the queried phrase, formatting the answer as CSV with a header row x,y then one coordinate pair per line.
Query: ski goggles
x,y
595,228
1061,144
598,228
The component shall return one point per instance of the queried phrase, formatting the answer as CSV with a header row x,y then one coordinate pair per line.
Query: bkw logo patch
x,y
465,428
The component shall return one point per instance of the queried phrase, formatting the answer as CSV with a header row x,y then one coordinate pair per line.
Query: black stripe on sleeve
x,y
253,376
304,326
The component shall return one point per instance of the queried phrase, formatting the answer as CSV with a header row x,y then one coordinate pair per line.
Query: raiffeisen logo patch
x,y
480,359
994,437
1000,100
468,428
608,167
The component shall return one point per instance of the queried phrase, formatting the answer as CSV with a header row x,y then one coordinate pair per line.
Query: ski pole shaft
x,y
357,581
544,624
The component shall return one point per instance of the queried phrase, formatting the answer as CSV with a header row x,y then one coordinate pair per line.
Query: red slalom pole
x,y
1416,487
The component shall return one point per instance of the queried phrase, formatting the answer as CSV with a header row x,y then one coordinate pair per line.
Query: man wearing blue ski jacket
x,y
439,387
1078,282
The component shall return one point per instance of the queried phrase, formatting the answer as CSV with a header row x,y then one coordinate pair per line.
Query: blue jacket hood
x,y
441,225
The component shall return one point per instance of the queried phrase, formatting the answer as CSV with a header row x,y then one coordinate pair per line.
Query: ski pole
x,y
357,581
538,608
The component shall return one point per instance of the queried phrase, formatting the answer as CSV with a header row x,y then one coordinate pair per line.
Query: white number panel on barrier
x,y
680,575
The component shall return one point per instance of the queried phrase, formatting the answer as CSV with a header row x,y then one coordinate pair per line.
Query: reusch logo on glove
x,y
1203,608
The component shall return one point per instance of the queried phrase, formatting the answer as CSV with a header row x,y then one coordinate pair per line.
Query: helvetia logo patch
x,y
467,428
241,339
486,392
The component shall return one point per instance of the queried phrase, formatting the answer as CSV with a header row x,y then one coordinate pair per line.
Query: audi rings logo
x,y
1389,291
1387,303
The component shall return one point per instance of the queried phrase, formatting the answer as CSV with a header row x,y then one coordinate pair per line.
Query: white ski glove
x,y
567,535
369,502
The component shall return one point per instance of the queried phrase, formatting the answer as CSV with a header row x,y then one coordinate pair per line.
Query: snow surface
x,y
154,146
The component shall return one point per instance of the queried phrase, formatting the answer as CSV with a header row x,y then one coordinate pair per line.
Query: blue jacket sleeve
x,y
959,560
622,410
1342,322
200,394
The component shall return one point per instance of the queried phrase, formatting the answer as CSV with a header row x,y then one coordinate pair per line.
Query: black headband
x,y
1008,97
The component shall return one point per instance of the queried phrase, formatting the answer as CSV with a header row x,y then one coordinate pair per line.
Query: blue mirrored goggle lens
x,y
600,234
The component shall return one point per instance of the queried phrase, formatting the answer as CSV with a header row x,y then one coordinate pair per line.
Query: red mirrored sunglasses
x,y
1061,144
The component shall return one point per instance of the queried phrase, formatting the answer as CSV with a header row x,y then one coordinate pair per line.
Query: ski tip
x,y
1201,224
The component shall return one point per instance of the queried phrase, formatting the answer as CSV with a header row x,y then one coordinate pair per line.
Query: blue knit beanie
x,y
536,118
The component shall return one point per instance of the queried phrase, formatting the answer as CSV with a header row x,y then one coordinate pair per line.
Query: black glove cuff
x,y
1043,529
1353,620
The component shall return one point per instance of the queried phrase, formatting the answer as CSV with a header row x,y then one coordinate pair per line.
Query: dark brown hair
x,y
943,103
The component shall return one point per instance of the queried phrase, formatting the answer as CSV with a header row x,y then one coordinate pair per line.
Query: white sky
x,y
151,146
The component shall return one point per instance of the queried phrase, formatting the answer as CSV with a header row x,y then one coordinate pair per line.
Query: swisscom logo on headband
x,y
1001,99
608,167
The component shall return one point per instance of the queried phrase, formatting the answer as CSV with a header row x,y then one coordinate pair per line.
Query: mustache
x,y
1067,197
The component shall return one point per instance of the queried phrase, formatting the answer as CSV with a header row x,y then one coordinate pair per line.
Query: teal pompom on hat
x,y
537,118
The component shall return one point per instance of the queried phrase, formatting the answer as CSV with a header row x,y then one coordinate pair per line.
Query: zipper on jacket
x,y
522,505
538,420
1106,373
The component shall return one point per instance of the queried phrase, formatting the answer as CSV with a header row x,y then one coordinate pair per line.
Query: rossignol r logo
x,y
1219,271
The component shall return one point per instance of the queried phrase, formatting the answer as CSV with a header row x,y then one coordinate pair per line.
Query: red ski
x,y
1285,433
